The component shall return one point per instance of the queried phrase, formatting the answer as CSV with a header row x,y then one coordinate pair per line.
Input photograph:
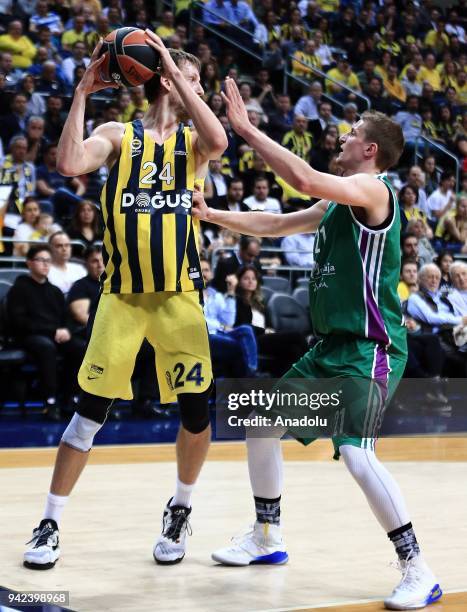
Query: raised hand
x,y
236,111
169,68
231,281
92,80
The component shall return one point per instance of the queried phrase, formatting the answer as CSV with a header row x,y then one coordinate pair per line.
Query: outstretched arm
x,y
261,223
76,156
357,190
211,140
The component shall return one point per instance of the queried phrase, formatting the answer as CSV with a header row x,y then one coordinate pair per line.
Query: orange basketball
x,y
129,58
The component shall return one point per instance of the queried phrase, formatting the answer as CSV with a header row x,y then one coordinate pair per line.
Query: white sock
x,y
265,466
183,494
54,507
380,488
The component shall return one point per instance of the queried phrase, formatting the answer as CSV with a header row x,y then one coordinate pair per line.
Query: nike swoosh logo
x,y
92,377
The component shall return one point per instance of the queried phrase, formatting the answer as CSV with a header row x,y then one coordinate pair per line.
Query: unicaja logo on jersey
x,y
159,201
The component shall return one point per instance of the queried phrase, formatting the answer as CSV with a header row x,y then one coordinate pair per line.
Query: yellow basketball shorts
x,y
172,322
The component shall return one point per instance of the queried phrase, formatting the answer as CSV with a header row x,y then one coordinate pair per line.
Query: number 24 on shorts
x,y
194,375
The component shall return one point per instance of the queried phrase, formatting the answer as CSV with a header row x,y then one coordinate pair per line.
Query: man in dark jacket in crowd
x,y
38,317
248,253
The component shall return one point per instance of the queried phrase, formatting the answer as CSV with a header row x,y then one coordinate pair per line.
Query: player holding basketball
x,y
356,313
151,283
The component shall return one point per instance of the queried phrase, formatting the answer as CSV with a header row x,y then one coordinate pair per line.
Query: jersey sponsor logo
x,y
318,277
136,146
144,202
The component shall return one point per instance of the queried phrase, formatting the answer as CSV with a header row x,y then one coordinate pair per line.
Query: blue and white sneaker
x,y
417,589
262,545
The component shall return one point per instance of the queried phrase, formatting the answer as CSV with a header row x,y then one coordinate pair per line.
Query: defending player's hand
x,y
236,111
200,209
92,78
169,68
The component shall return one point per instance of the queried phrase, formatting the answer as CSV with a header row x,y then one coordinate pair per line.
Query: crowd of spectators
x,y
407,59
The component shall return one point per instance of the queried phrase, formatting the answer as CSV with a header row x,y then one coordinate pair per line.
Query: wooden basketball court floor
x,y
339,555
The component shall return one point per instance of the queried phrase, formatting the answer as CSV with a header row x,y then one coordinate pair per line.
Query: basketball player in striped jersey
x,y
356,314
151,284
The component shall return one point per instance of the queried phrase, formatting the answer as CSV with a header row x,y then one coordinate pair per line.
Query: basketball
x,y
129,58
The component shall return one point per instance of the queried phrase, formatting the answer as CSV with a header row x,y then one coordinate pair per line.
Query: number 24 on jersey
x,y
164,175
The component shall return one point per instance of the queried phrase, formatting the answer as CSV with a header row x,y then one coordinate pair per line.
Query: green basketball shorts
x,y
367,371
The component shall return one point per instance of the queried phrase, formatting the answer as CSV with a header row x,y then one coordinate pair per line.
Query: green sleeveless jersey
x,y
353,289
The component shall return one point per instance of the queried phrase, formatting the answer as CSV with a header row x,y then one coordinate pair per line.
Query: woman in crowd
x,y
233,350
210,79
284,348
293,20
448,74
85,226
323,27
216,104
251,103
383,66
36,103
431,180
460,138
446,127
267,31
444,261
408,198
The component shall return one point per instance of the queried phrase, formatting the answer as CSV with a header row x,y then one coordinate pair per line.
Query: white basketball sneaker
x,y
417,589
263,544
170,546
43,551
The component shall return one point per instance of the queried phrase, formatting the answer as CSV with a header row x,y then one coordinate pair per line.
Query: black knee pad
x,y
94,407
194,410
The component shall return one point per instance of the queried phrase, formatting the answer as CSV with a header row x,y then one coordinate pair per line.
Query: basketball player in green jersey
x,y
355,312
152,281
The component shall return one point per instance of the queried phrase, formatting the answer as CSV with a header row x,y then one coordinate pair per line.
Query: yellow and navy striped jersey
x,y
300,144
151,239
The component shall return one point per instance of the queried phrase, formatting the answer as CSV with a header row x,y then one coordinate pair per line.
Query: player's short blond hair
x,y
387,134
152,87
